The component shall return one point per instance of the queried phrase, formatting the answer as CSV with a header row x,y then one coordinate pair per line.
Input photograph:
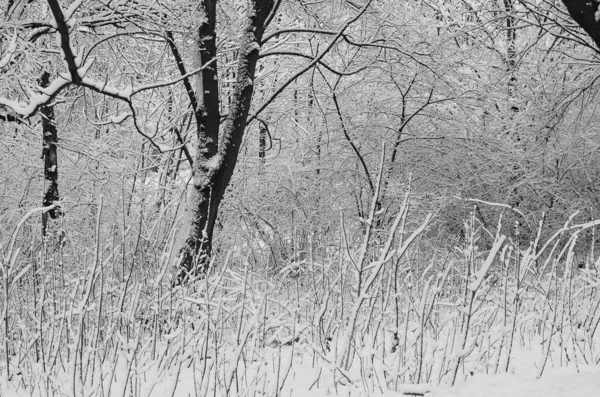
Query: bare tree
x,y
218,147
84,27
216,156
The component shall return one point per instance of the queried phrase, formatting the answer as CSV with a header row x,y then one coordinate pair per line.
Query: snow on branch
x,y
64,40
160,84
301,55
125,94
45,96
114,119
496,205
311,64
72,8
297,30
12,47
479,277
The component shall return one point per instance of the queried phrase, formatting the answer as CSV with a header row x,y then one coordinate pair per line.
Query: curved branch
x,y
301,55
358,154
297,30
272,13
38,100
310,65
112,36
266,126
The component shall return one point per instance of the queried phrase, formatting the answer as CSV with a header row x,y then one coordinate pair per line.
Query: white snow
x,y
12,47
118,118
294,372
237,334
68,14
474,286
213,162
124,93
36,100
563,382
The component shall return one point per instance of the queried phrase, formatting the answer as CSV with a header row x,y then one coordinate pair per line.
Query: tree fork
x,y
215,161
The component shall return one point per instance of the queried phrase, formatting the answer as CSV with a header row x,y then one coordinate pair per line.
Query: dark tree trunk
x,y
511,54
215,161
262,142
198,234
584,13
50,138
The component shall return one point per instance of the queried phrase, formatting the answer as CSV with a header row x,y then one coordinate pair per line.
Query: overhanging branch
x,y
310,65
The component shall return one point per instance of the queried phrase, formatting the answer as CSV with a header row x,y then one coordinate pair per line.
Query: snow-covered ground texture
x,y
278,371
390,319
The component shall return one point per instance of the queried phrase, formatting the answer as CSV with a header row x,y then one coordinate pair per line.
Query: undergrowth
x,y
386,313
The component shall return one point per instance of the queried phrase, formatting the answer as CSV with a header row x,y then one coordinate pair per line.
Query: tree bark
x,y
262,143
584,13
215,160
50,138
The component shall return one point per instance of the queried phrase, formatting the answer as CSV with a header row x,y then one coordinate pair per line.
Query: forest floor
x,y
495,323
297,373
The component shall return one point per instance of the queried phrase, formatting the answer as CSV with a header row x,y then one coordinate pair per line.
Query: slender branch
x,y
311,64
297,30
498,205
48,94
301,55
184,147
140,35
272,13
135,91
358,154
36,101
186,80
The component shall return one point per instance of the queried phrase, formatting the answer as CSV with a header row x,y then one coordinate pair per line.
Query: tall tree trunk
x,y
215,161
50,138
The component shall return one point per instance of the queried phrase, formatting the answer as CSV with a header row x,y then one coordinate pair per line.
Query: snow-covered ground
x,y
297,376
520,330
560,382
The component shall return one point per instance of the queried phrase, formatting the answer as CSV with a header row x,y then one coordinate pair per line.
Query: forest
x,y
296,197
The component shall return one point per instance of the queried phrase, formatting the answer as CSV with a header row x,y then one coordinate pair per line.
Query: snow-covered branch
x,y
62,25
7,56
45,96
301,55
311,64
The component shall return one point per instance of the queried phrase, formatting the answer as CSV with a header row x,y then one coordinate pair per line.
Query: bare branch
x,y
301,55
272,13
498,205
65,44
354,148
48,94
186,81
297,30
311,64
